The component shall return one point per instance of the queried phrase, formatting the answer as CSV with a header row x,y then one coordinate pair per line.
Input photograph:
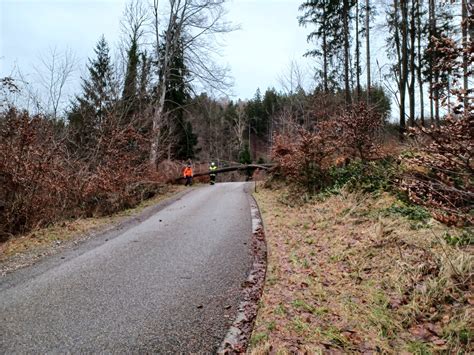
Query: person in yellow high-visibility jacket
x,y
212,174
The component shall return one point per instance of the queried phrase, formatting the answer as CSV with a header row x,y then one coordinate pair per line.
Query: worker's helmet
x,y
212,163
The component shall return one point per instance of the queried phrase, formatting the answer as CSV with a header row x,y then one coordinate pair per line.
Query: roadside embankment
x,y
355,272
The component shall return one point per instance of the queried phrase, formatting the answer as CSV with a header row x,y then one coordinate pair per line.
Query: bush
x,y
36,179
371,176
439,175
308,160
41,181
304,161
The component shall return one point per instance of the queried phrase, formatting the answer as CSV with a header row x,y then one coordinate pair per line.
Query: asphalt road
x,y
168,284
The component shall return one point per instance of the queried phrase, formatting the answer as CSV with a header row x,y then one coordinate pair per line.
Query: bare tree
x,y
367,44
465,59
293,78
239,125
54,71
419,30
412,53
135,27
134,23
191,30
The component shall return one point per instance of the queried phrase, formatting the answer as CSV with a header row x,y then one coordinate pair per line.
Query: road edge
x,y
82,242
238,336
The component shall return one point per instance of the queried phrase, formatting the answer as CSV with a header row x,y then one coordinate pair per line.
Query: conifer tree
x,y
182,140
322,14
130,85
90,109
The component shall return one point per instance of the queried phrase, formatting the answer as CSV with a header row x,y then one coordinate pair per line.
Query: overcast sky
x,y
258,54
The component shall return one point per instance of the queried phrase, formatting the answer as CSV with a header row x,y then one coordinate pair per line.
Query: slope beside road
x,y
169,284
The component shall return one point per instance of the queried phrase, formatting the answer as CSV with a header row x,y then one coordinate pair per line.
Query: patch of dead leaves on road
x,y
343,276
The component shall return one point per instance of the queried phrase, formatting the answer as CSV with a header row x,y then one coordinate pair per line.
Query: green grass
x,y
258,338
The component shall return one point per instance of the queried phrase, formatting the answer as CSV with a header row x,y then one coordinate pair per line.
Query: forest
x,y
137,120
363,178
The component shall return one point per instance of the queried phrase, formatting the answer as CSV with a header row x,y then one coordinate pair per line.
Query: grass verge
x,y
357,273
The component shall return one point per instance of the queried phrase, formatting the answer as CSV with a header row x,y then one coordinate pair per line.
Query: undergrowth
x,y
373,176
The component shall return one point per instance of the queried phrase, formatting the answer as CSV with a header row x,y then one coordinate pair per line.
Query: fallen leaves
x,y
350,286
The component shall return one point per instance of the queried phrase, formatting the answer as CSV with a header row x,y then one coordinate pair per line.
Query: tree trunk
x,y
431,11
367,42
357,51
325,63
465,59
404,72
345,18
160,102
420,79
411,86
435,80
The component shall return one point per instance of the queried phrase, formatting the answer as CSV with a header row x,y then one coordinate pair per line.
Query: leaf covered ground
x,y
358,273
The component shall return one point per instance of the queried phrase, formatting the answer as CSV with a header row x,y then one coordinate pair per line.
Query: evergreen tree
x,y
90,109
181,136
323,15
258,117
129,93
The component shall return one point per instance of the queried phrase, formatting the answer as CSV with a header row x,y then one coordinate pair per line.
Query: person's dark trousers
x,y
213,179
189,181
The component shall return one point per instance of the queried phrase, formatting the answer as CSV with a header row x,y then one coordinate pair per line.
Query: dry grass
x,y
349,274
42,239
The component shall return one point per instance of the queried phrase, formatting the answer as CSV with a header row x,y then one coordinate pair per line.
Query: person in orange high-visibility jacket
x,y
188,174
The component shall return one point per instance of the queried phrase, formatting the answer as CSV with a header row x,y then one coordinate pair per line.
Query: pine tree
x,y
129,92
322,14
89,110
182,140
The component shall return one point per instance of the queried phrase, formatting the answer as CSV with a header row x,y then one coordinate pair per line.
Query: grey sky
x,y
258,54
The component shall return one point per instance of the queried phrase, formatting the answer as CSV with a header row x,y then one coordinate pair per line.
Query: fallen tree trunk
x,y
252,167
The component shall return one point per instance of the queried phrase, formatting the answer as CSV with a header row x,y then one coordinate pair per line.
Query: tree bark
x,y
420,79
431,32
367,42
345,18
411,86
465,59
402,50
357,51
325,63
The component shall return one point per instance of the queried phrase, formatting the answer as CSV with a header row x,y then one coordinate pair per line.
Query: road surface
x,y
168,284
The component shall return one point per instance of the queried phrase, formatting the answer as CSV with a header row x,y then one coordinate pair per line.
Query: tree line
x,y
414,30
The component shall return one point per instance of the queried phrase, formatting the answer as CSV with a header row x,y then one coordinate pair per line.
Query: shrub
x,y
308,159
41,181
305,160
35,176
440,174
371,176
357,132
